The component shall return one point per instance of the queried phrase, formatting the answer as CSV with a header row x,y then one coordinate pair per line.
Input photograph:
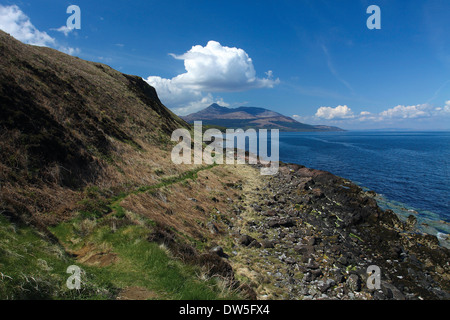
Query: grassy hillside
x,y
86,179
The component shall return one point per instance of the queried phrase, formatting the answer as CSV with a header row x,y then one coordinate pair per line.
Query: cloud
x,y
340,112
406,112
213,68
69,50
197,105
18,24
219,68
64,29
446,108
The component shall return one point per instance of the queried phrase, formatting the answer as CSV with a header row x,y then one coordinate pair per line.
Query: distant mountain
x,y
250,117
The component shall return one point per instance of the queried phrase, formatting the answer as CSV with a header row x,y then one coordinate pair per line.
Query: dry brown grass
x,y
188,206
67,124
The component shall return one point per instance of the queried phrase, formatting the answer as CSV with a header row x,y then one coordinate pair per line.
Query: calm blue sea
x,y
409,169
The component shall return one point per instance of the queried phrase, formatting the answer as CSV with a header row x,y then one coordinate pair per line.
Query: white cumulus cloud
x,y
340,112
15,22
343,115
406,112
213,68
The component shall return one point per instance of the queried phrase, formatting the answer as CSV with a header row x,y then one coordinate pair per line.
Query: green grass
x,y
154,269
33,268
146,264
356,237
188,175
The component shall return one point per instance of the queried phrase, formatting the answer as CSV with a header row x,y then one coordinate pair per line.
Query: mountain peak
x,y
250,117
216,106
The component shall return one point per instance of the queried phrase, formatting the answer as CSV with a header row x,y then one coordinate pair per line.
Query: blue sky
x,y
312,60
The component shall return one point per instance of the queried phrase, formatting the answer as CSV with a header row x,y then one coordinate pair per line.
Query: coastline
x,y
407,167
427,222
312,235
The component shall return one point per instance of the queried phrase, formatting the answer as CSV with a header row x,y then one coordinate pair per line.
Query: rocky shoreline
x,y
308,234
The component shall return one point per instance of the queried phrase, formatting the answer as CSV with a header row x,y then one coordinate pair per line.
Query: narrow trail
x,y
190,174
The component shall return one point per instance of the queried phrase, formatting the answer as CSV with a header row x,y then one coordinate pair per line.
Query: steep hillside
x,y
68,123
251,117
85,177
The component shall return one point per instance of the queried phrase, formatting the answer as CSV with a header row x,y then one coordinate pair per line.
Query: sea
x,y
409,171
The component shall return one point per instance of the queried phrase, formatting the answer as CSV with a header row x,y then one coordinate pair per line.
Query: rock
x,y
411,223
371,203
339,278
219,251
304,249
290,260
391,219
294,167
287,223
378,295
354,283
317,193
324,286
428,240
396,251
391,292
246,240
316,273
330,211
267,244
254,244
212,228
312,265
440,270
343,260
314,291
307,277
310,241
371,193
